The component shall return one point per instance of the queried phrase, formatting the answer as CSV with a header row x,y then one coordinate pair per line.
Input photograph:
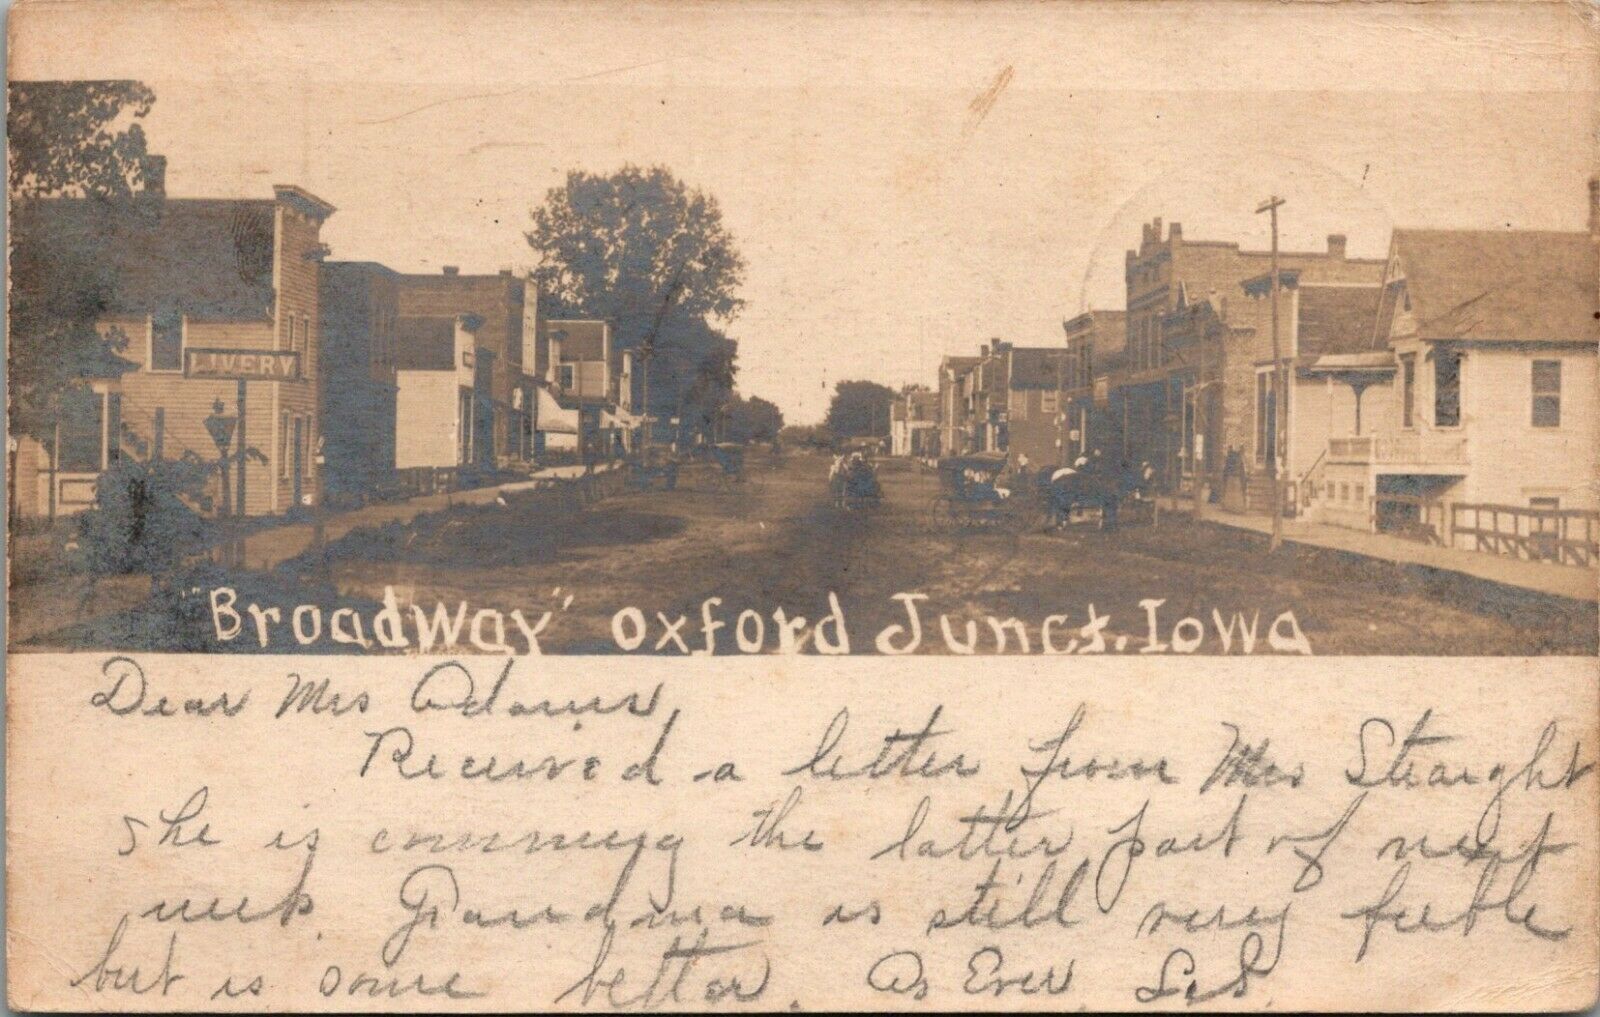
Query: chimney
x,y
1336,243
1175,232
983,351
1594,206
452,270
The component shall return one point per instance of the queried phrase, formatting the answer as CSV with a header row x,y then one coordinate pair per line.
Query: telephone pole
x,y
1271,205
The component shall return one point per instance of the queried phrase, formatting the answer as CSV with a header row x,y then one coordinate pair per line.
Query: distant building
x,y
586,388
1096,342
956,430
441,392
207,291
1033,378
914,424
501,427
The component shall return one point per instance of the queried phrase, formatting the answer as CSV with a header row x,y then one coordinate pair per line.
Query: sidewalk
x,y
1539,577
270,547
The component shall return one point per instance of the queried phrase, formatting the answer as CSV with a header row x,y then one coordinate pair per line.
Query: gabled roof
x,y
1336,319
1518,285
206,258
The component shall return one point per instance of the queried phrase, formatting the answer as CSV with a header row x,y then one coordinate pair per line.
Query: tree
x,y
860,408
753,419
640,248
68,139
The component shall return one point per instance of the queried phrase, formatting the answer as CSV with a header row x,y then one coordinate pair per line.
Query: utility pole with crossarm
x,y
1271,205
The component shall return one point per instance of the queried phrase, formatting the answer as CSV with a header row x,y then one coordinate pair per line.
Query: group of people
x,y
852,479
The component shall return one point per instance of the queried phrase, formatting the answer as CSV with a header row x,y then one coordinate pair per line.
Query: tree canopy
x,y
649,253
753,419
860,409
73,139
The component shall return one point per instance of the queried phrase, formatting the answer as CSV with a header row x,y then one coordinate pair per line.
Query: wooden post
x,y
239,502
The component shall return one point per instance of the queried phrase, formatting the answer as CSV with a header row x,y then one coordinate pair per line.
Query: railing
x,y
1311,480
1423,520
1434,449
1564,536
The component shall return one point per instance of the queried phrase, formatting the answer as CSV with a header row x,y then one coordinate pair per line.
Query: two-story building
x,y
1477,385
218,303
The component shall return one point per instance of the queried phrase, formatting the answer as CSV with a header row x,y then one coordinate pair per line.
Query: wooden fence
x,y
1565,536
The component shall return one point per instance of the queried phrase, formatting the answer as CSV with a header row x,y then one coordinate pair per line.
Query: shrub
x,y
140,521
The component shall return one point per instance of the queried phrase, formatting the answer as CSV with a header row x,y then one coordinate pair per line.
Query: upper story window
x,y
1547,393
567,376
1447,389
1408,391
166,341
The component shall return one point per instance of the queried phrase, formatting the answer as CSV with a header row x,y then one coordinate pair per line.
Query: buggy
x,y
853,483
970,494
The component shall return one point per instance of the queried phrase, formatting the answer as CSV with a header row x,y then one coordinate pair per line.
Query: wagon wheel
x,y
939,513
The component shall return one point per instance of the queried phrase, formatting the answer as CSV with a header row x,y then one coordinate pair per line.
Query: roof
x,y
1036,366
208,259
960,365
581,339
1336,319
1519,285
425,343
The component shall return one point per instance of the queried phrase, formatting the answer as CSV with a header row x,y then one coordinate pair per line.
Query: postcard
x,y
913,506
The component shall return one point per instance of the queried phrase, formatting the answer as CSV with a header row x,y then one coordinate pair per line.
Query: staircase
x,y
1258,494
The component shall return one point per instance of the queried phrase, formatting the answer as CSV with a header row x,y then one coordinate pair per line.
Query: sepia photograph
x,y
995,354
470,464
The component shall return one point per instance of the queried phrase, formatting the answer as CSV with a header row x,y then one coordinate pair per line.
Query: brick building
x,y
1096,347
206,291
1167,274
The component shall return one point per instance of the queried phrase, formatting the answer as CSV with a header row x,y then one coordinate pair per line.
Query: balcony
x,y
1421,452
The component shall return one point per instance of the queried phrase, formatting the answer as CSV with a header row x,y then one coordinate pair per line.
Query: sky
x,y
905,181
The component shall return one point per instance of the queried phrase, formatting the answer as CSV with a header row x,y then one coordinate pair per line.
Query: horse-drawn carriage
x,y
853,483
1092,490
971,494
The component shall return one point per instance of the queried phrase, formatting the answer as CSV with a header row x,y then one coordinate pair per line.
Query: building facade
x,y
218,302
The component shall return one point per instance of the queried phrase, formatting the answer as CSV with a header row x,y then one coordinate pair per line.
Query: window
x,y
166,341
566,379
1408,390
283,447
1547,393
1048,402
1446,388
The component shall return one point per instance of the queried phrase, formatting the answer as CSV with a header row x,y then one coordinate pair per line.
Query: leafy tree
x,y
642,249
68,139
860,409
753,419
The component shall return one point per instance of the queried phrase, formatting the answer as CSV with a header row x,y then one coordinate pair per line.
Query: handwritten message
x,y
534,833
